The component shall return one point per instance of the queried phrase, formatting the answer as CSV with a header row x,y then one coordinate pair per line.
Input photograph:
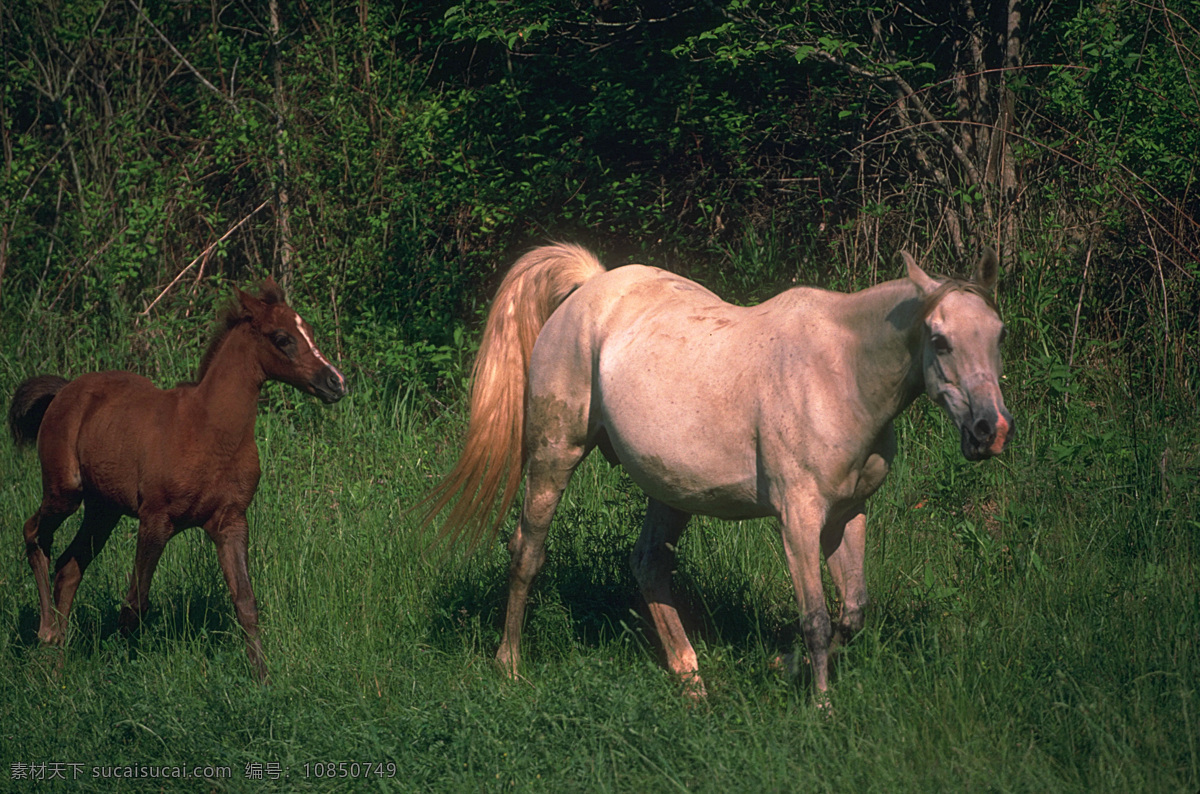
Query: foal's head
x,y
284,344
960,342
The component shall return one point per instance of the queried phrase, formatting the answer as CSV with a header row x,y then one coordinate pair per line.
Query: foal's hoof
x,y
129,621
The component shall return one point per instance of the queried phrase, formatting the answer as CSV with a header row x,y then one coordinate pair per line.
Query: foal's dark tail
x,y
29,405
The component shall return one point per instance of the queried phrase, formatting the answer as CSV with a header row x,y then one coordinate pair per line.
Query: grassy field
x,y
1034,624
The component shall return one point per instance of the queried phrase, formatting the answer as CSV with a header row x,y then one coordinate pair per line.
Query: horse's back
x,y
585,325
633,312
86,398
619,296
643,305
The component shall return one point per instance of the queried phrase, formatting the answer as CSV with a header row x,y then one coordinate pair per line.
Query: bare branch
x,y
228,100
202,255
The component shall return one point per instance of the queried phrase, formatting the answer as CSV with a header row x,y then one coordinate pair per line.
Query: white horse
x,y
783,409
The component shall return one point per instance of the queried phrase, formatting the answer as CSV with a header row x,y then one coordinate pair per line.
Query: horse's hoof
x,y
508,666
693,687
787,664
128,621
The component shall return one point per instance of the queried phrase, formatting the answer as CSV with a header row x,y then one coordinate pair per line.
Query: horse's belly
x,y
733,501
685,445
721,485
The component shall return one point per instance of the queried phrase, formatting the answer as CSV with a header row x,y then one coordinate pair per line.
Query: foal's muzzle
x,y
986,434
329,385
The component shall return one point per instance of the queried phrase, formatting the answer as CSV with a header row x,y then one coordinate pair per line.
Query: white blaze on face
x,y
313,346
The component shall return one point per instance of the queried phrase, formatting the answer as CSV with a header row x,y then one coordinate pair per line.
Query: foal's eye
x,y
282,340
940,343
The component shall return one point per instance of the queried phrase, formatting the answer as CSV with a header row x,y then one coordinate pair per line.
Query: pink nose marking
x,y
1001,435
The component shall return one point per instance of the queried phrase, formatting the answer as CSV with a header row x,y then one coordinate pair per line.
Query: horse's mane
x,y
231,316
930,301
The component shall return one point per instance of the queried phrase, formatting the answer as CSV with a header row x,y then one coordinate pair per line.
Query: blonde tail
x,y
484,482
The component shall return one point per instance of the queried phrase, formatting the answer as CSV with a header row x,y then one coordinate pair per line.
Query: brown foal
x,y
175,458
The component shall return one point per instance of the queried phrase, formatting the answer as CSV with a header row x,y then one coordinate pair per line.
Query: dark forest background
x,y
385,161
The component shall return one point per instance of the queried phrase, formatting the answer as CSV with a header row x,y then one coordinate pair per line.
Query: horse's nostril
x,y
983,429
333,381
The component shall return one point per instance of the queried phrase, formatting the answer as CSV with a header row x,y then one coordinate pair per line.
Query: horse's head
x,y
960,351
287,351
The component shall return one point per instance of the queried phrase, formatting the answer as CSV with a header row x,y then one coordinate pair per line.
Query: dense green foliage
x,y
387,161
1036,617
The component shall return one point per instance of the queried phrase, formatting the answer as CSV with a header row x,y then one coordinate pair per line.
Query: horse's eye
x,y
1003,335
940,343
282,340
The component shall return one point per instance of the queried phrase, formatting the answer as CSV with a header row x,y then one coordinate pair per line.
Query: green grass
x,y
1034,625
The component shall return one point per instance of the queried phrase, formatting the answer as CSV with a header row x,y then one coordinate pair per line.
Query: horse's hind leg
x,y
39,532
845,545
550,470
652,560
98,522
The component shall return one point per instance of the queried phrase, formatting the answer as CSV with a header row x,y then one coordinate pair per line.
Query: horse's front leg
x,y
844,544
154,530
231,534
802,519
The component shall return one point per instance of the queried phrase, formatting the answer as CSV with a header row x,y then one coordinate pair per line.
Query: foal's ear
x,y
916,275
270,292
250,306
988,269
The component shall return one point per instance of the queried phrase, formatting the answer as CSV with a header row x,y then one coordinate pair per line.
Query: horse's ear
x,y
916,275
270,292
988,269
249,305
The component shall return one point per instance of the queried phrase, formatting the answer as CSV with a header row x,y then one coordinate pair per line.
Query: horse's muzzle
x,y
987,435
329,385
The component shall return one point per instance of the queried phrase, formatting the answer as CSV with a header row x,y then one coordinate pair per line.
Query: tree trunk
x,y
282,210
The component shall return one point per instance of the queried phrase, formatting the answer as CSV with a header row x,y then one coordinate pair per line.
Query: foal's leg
x,y
550,470
652,560
98,522
844,544
154,530
802,520
232,536
39,535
